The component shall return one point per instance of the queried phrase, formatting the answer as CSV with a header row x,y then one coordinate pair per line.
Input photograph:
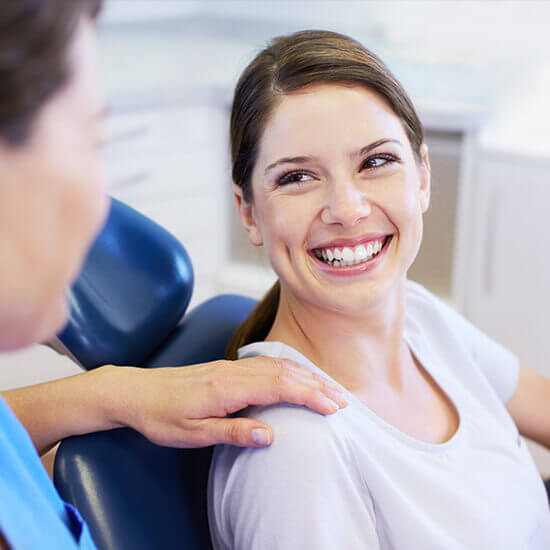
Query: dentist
x,y
52,204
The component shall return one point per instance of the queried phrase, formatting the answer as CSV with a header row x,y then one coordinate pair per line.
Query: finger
x,y
269,390
304,394
278,363
285,375
241,432
292,371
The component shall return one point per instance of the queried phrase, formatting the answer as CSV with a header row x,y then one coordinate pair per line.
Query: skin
x,y
53,204
336,192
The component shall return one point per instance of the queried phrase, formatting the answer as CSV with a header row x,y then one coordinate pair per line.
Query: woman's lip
x,y
356,269
342,243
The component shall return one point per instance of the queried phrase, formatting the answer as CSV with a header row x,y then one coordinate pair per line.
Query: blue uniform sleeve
x,y
32,514
302,492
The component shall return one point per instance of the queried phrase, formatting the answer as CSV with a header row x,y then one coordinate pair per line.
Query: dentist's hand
x,y
187,406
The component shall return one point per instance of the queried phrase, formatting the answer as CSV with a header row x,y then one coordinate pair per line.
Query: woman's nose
x,y
345,205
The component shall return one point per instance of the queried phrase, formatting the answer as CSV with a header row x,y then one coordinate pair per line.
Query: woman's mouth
x,y
347,256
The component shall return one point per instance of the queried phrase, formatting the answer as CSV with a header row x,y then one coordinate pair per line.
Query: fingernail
x,y
260,436
333,405
341,400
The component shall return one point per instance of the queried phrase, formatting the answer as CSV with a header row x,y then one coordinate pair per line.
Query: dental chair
x,y
127,308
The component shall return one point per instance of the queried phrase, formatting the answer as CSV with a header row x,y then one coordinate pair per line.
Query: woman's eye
x,y
294,177
378,161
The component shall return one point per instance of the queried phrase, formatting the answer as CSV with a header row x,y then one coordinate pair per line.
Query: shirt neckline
x,y
420,353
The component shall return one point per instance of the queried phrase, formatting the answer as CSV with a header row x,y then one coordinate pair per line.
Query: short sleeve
x,y
303,491
499,365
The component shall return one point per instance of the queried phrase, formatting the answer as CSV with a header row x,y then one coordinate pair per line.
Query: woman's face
x,y
52,202
338,197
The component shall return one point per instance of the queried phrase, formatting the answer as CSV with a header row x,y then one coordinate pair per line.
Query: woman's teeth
x,y
341,257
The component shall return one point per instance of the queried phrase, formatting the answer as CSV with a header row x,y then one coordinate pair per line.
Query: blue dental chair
x,y
127,308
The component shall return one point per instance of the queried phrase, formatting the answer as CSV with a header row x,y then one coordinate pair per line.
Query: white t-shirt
x,y
353,481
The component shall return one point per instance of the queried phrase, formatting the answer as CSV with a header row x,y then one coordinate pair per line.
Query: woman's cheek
x,y
290,221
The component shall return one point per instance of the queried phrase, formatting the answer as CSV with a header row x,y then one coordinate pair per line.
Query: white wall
x,y
473,31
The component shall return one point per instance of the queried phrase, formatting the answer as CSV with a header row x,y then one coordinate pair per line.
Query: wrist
x,y
106,387
116,395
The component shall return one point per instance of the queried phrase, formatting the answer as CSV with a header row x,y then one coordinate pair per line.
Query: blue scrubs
x,y
32,514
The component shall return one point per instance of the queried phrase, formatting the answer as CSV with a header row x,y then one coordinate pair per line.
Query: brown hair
x,y
288,64
34,39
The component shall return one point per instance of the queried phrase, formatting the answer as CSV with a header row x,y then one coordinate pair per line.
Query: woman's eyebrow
x,y
374,145
288,160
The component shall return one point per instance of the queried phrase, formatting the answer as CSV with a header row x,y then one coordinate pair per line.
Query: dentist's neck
x,y
357,351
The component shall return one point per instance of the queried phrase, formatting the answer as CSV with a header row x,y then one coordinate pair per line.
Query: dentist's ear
x,y
246,211
424,171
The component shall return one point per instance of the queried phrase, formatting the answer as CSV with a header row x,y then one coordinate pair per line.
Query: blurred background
x,y
479,74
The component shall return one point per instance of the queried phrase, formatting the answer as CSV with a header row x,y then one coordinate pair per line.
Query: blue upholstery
x,y
136,495
134,287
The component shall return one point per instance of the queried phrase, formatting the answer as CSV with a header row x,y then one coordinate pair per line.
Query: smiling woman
x,y
282,76
332,177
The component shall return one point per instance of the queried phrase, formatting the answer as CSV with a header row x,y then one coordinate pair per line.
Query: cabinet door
x,y
508,271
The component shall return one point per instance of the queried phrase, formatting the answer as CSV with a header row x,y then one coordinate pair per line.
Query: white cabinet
x,y
508,272
507,261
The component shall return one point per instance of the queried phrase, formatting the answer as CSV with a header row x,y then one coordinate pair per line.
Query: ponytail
x,y
258,324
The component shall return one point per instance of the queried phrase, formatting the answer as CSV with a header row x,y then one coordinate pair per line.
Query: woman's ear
x,y
247,214
424,171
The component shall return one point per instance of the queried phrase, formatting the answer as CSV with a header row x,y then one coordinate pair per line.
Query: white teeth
x,y
348,256
360,253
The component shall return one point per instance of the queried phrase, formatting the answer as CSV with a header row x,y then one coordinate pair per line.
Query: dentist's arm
x,y
174,406
529,406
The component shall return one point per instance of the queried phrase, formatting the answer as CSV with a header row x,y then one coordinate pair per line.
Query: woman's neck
x,y
357,351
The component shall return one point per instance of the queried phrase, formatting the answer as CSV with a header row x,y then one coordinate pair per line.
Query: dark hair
x,y
288,64
34,39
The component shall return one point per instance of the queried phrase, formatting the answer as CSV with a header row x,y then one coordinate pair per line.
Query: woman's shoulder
x,y
294,425
307,477
300,437
299,429
306,445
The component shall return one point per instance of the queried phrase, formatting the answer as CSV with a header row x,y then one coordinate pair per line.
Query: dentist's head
x,y
52,200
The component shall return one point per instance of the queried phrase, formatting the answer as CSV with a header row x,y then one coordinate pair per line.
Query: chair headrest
x,y
134,288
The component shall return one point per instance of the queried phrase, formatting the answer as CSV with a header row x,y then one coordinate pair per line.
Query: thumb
x,y
242,432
